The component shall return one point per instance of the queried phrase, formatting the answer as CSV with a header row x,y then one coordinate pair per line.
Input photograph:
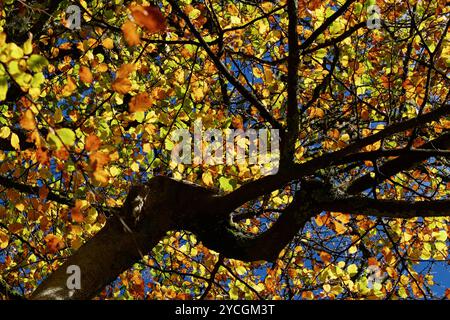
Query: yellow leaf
x,y
15,142
4,239
135,167
20,207
241,270
352,269
108,43
114,171
352,249
207,179
5,132
69,87
197,94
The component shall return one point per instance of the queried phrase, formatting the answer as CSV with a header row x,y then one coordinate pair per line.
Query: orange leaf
x,y
69,87
372,261
62,154
130,33
122,85
125,70
85,75
108,43
54,243
76,213
101,176
326,257
92,142
98,160
140,102
27,120
150,18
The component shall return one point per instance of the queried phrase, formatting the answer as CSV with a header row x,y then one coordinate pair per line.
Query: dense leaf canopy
x,y
364,112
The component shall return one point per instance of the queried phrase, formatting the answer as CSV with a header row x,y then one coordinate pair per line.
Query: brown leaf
x,y
149,17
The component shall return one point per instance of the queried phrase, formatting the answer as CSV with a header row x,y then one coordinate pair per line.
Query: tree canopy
x,y
357,207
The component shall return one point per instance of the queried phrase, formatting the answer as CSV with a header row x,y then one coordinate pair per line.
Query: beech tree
x,y
357,207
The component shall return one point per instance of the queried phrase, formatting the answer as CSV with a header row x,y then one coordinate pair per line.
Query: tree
x,y
358,91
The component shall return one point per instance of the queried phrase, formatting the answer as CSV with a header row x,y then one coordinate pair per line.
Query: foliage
x,y
86,113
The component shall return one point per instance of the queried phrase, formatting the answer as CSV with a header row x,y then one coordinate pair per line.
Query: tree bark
x,y
160,206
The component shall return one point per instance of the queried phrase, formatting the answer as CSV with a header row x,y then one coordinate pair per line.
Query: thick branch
x,y
267,245
403,162
388,208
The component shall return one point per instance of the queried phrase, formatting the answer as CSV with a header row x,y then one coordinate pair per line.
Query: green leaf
x,y
226,184
53,141
36,62
67,136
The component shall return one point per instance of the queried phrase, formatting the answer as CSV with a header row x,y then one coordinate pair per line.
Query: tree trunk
x,y
148,213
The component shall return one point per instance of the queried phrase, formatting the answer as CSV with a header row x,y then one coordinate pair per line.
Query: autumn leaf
x,y
101,176
69,87
92,143
85,75
15,142
4,240
207,179
130,33
54,243
15,227
140,102
76,212
66,135
27,120
108,43
125,70
121,85
149,17
98,160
